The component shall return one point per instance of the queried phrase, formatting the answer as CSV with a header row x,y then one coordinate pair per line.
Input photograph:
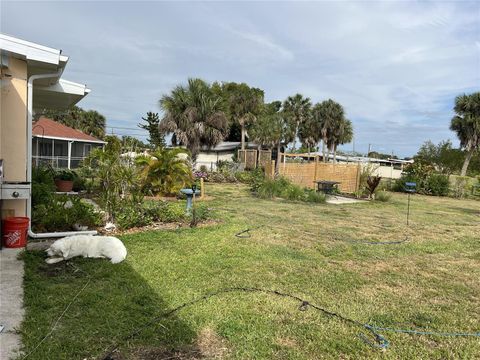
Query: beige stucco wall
x,y
13,114
209,159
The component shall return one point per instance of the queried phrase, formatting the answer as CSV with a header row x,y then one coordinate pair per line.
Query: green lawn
x,y
431,282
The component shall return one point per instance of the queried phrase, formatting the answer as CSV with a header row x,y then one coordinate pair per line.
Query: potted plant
x,y
64,180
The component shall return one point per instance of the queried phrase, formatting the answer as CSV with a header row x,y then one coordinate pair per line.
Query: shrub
x,y
438,185
43,185
281,187
314,196
79,183
166,171
137,213
461,186
61,213
383,196
131,214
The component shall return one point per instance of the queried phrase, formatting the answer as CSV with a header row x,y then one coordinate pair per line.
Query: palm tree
x,y
297,110
327,113
309,132
340,133
262,132
93,123
194,116
466,123
165,171
244,104
273,129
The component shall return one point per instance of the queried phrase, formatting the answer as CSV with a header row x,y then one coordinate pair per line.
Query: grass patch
x,y
430,281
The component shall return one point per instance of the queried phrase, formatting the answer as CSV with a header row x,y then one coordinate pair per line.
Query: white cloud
x,y
395,66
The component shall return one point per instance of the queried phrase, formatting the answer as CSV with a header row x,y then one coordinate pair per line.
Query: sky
x,y
396,67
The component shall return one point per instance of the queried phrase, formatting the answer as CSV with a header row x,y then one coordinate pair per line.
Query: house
x,y
225,151
59,145
385,168
31,79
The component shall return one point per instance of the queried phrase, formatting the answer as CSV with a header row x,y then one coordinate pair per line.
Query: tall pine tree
x,y
152,121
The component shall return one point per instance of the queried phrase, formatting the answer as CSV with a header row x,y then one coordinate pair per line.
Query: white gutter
x,y
31,79
69,139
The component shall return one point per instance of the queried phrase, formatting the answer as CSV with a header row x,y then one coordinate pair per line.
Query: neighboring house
x,y
30,80
59,145
224,151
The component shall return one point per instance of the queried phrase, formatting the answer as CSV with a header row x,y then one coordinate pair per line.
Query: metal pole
x,y
408,209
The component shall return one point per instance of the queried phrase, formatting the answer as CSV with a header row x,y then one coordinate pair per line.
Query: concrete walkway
x,y
338,200
11,302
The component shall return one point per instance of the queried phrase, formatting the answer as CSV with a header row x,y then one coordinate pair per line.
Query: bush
x,y
61,213
383,196
43,185
281,187
131,214
461,186
438,185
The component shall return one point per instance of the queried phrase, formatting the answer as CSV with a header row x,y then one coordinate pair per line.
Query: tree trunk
x,y
243,137
295,138
328,154
324,151
467,162
279,159
334,154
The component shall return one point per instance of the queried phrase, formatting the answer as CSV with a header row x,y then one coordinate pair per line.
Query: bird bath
x,y
189,193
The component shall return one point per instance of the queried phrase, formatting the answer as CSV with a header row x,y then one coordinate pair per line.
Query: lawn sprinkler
x,y
410,188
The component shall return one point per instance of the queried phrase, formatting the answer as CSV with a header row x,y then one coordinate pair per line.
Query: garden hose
x,y
379,341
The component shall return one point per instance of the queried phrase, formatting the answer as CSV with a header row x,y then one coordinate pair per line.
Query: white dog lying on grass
x,y
87,246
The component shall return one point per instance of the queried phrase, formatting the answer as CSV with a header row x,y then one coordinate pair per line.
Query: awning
x,y
60,95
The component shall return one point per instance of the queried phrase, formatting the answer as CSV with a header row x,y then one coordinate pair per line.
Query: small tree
x,y
166,171
152,125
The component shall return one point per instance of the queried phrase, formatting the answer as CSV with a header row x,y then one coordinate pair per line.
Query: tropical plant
x,y
274,129
329,114
243,103
466,123
152,125
194,116
117,176
165,171
64,174
341,132
297,110
309,133
372,184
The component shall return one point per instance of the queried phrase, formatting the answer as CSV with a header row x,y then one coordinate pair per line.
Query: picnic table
x,y
326,186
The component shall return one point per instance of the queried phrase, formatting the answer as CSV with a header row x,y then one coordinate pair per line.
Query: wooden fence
x,y
305,174
253,158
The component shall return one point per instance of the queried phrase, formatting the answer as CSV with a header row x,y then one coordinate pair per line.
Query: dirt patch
x,y
209,345
158,353
60,269
286,342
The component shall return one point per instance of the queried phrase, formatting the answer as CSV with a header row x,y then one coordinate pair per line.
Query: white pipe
x,y
31,79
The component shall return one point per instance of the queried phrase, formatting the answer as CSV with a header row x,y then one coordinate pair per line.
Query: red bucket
x,y
15,232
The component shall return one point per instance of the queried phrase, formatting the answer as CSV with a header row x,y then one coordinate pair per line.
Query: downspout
x,y
31,79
